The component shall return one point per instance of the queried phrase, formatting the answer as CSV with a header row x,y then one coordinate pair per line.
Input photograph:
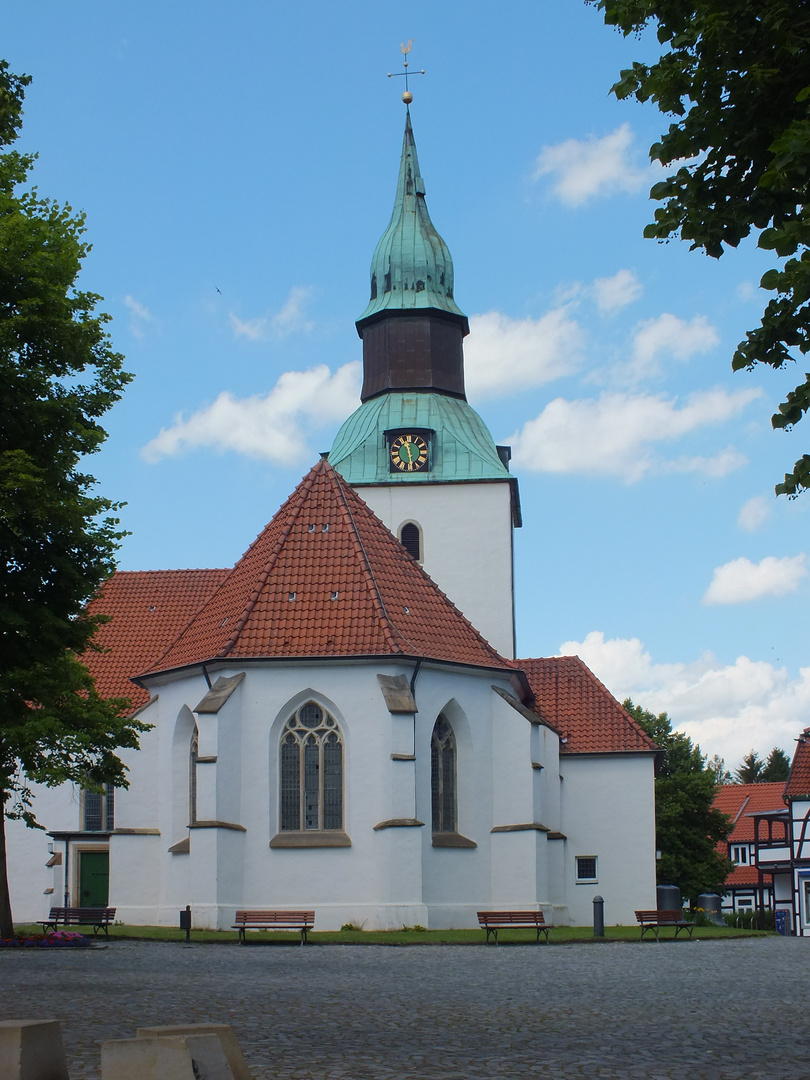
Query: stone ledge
x,y
336,838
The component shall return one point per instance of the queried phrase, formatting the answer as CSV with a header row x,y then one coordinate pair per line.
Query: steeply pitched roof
x,y
739,801
582,709
798,781
148,609
326,579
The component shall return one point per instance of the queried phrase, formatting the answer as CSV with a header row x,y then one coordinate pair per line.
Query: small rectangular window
x,y
739,854
586,868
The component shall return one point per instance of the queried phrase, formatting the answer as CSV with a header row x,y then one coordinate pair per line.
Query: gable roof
x,y
147,609
798,781
589,718
326,578
739,801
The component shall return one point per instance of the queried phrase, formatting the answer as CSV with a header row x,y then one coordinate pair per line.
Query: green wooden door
x,y
94,878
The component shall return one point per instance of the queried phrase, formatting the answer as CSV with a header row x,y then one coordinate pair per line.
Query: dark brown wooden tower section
x,y
419,350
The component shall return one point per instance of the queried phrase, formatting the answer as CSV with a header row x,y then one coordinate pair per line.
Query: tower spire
x,y
411,269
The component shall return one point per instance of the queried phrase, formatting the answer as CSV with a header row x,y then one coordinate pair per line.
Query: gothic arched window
x,y
311,771
443,776
193,754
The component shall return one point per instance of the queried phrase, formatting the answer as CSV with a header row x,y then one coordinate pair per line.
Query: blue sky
x,y
237,168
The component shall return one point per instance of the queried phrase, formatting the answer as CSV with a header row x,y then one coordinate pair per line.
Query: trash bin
x,y
780,918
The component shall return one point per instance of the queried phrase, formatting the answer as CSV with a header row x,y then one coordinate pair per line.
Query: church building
x,y
339,722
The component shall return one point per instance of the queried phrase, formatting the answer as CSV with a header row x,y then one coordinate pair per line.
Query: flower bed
x,y
60,939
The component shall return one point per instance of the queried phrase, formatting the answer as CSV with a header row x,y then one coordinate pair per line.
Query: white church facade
x,y
339,722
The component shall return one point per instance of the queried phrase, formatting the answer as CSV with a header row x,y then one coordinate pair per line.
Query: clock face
x,y
408,452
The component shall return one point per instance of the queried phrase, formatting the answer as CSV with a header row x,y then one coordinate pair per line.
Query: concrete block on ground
x,y
182,1057
224,1032
32,1050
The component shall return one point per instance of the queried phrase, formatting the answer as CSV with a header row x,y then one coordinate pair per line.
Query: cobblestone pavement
x,y
636,1011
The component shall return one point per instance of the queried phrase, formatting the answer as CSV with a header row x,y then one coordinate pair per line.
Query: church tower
x,y
418,455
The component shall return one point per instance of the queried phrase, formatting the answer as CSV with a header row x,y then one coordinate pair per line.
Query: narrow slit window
x,y
443,776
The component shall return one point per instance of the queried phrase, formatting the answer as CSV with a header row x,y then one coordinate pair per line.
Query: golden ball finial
x,y
407,97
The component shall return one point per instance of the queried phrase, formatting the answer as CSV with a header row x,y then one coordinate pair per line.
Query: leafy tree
x,y
776,767
58,375
687,827
735,77
750,772
718,767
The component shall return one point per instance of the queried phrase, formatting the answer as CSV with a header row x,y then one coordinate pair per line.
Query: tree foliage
x,y
750,772
777,766
687,827
754,770
58,376
736,76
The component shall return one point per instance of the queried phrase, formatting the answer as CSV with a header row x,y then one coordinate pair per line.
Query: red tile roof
x,y
798,782
326,578
148,609
590,720
741,876
741,800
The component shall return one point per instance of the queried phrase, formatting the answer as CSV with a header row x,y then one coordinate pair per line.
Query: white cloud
x,y
754,513
506,354
271,426
614,293
666,337
290,318
616,433
587,168
720,464
139,316
726,708
741,580
253,329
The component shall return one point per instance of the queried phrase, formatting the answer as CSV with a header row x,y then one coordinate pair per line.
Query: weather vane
x,y
407,97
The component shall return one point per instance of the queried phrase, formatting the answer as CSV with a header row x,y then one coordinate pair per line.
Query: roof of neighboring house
x,y
147,609
327,579
588,717
742,876
740,801
798,781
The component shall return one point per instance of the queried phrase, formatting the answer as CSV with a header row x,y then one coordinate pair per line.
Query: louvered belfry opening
x,y
411,539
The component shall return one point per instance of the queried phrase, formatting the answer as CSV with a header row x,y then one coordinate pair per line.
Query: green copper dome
x,y
411,269
461,447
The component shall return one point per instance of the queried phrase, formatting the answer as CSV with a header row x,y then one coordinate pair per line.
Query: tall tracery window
x,y
311,771
193,754
443,776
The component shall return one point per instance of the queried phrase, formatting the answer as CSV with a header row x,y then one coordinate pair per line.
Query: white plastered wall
x,y
466,546
608,811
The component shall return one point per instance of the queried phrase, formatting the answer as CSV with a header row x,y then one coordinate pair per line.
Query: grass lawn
x,y
563,935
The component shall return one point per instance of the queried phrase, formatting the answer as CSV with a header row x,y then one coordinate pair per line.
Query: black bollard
x,y
598,917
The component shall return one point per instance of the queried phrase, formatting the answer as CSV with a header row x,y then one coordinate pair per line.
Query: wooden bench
x,y
493,921
657,920
100,918
302,921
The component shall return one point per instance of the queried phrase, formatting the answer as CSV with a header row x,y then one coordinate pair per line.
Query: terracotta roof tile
x,y
739,801
326,578
148,609
590,720
798,782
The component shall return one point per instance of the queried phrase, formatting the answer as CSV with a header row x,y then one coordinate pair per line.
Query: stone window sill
x,y
313,839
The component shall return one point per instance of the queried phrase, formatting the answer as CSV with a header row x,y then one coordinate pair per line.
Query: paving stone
x,y
732,1010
